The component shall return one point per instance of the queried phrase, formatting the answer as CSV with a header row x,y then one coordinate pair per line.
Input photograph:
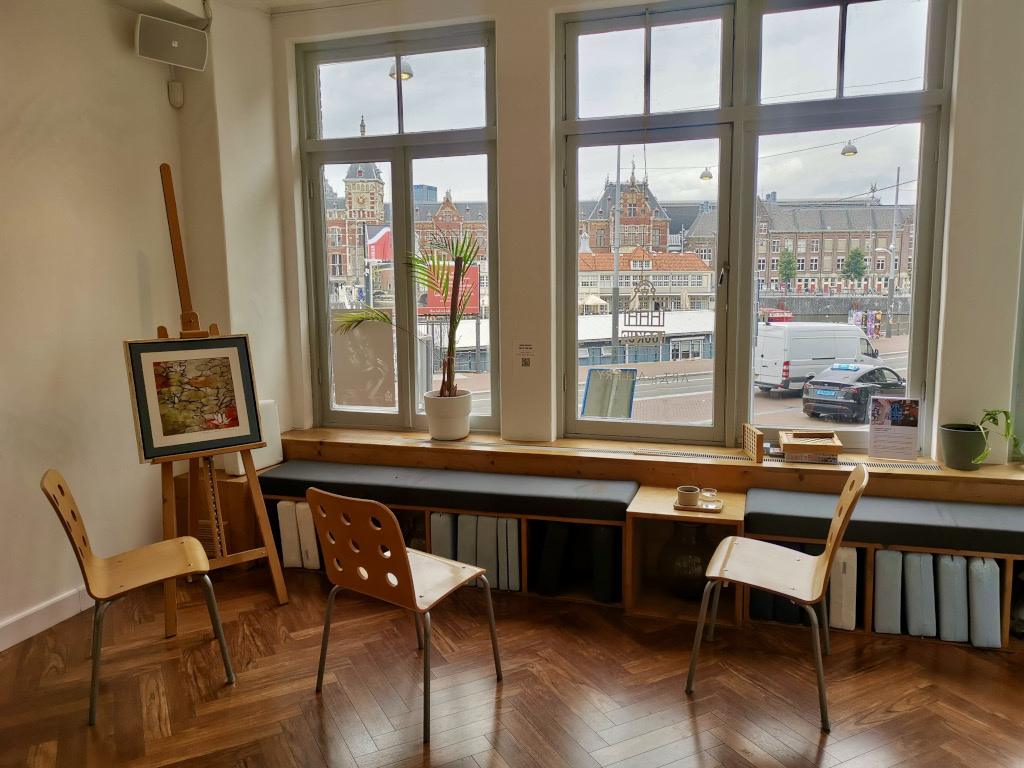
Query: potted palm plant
x,y
441,266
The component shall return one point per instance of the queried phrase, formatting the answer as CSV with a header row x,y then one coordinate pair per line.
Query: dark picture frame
x,y
192,397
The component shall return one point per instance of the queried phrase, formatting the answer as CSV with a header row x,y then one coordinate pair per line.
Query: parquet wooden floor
x,y
584,686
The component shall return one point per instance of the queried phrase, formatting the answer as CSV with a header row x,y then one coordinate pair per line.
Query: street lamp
x,y
849,150
406,72
705,175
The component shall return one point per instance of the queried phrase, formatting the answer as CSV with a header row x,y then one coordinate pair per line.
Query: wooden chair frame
x,y
364,551
805,587
107,579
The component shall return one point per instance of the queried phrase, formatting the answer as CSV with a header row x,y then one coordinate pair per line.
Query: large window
x,y
399,148
831,112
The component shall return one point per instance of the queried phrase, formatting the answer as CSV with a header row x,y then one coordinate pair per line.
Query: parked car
x,y
788,354
844,390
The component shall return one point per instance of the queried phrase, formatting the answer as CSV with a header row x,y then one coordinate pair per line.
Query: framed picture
x,y
192,396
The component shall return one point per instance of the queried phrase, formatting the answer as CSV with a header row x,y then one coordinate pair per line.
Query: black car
x,y
844,391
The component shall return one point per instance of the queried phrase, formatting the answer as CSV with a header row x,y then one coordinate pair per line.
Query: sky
x,y
884,53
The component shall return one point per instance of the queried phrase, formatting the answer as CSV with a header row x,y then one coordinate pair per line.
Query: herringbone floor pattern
x,y
584,686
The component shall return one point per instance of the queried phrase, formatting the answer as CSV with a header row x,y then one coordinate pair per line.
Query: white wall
x,y
984,217
85,263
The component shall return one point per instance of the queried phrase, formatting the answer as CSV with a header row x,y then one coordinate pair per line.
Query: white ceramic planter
x,y
448,417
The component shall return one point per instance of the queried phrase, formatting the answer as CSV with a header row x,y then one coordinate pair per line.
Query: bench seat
x,y
967,527
575,498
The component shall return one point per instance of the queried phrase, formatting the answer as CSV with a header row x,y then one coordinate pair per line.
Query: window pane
x,y
446,90
686,66
611,73
360,269
356,98
852,301
662,336
799,55
885,43
460,208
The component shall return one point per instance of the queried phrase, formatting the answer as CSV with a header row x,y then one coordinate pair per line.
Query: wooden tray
x,y
806,441
715,506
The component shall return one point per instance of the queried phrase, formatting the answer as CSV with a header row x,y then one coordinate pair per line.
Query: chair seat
x,y
434,578
766,566
120,574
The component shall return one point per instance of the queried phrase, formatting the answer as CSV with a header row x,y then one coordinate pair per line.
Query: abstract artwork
x,y
192,396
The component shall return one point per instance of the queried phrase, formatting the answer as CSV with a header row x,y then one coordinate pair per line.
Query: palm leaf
x,y
352,319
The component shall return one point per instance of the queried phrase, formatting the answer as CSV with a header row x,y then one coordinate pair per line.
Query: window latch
x,y
721,274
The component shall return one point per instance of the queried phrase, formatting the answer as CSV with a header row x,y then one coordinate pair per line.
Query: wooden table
x,y
648,520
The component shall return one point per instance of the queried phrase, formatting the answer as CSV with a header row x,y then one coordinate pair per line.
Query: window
x,y
800,116
880,263
631,209
377,374
601,235
643,264
910,242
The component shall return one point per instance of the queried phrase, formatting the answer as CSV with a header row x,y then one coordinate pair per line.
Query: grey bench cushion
x,y
450,489
997,528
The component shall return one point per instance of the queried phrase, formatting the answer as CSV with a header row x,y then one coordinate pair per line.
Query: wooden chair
x,y
107,579
794,575
364,551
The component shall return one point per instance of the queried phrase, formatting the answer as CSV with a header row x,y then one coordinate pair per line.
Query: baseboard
x,y
43,616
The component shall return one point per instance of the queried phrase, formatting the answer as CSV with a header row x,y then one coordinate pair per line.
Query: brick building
x,y
643,220
820,234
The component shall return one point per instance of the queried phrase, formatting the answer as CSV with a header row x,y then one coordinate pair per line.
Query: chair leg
x,y
218,630
816,645
426,677
327,635
696,639
419,630
494,631
824,625
99,609
714,612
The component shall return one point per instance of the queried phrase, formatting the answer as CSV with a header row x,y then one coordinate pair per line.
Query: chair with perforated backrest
x,y
799,577
364,551
107,579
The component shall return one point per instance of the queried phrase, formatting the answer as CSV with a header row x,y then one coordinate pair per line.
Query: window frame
x,y
399,150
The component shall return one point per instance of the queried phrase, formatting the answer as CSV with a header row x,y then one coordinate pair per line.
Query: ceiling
x,y
286,6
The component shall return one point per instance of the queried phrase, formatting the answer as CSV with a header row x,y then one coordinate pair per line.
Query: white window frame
x,y
398,150
742,120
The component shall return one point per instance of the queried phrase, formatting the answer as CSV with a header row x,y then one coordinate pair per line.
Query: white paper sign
x,y
525,358
893,428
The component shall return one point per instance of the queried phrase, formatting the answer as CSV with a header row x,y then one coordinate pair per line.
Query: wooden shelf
x,y
658,603
579,593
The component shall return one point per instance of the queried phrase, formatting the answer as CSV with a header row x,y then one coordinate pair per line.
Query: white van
x,y
788,354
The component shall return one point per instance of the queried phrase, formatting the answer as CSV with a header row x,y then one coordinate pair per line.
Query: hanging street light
x,y
406,70
849,150
705,175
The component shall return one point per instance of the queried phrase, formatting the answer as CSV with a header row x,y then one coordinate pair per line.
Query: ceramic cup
x,y
708,496
687,495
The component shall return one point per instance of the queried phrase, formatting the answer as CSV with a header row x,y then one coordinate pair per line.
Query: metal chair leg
x,y
714,612
494,631
419,630
816,645
696,638
218,630
327,635
98,610
426,677
824,626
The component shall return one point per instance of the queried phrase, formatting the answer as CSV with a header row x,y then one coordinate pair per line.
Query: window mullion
x,y
841,66
398,92
647,62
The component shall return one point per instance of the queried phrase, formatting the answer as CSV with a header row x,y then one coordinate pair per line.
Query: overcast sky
x,y
884,53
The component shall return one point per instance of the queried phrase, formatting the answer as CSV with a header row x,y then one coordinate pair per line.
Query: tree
x,y
787,267
855,267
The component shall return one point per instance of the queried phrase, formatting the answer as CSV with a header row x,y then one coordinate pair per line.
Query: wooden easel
x,y
202,482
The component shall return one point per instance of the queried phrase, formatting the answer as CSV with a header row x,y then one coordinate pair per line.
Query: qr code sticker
x,y
526,362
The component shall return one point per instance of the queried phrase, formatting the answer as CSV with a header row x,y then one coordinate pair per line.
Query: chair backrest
x,y
363,547
56,490
844,511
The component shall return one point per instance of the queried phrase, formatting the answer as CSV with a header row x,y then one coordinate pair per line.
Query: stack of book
x,y
821,447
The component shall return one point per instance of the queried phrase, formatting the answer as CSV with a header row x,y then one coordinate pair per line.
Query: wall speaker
x,y
170,43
